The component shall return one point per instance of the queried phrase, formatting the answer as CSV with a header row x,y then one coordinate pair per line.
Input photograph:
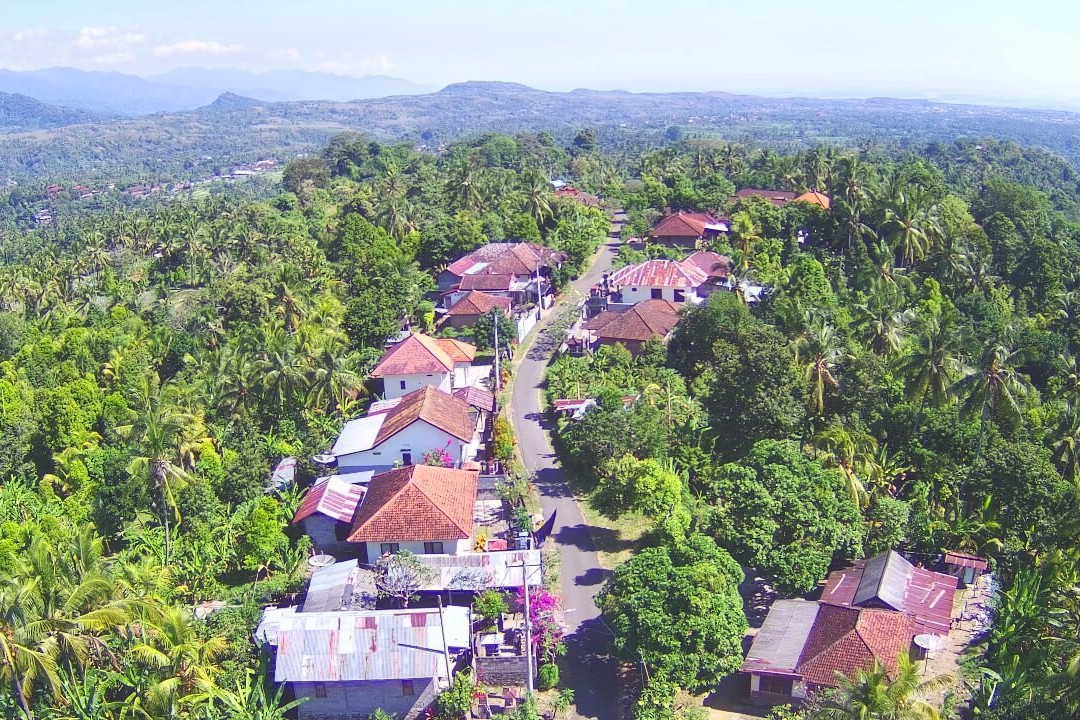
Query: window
x,y
680,296
433,548
320,690
657,293
407,688
406,457
401,384
775,685
388,548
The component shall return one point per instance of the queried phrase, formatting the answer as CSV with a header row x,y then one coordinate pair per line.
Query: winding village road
x,y
580,571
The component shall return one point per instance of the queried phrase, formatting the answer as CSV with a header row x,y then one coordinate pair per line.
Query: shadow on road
x,y
579,536
552,483
592,576
593,669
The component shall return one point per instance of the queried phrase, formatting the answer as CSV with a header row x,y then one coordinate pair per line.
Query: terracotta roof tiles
x,y
477,303
683,224
433,406
846,640
415,354
660,273
638,323
417,503
506,259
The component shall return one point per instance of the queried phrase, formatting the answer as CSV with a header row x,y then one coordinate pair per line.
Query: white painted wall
x,y
417,438
450,547
633,294
392,383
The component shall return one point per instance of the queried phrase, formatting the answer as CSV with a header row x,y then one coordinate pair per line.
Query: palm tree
x,y
537,193
162,434
851,452
882,325
253,700
910,226
878,694
994,388
183,664
932,364
1067,444
818,351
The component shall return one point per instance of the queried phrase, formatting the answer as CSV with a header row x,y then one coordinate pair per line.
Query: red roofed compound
x,y
580,195
802,645
776,197
633,327
419,361
688,229
671,280
521,262
889,581
424,509
326,510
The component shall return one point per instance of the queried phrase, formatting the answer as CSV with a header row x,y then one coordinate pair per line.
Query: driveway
x,y
580,572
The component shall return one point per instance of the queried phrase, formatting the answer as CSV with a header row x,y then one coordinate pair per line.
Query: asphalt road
x,y
581,575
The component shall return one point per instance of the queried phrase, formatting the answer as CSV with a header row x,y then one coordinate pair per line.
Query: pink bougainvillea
x,y
547,632
438,457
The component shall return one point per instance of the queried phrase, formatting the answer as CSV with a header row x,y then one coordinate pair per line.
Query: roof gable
x,y
683,224
476,302
846,640
639,323
712,264
506,258
433,406
416,354
814,198
457,350
417,503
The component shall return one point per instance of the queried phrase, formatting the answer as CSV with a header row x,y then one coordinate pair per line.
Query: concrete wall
x,y
450,547
633,294
392,383
416,438
798,691
323,533
357,700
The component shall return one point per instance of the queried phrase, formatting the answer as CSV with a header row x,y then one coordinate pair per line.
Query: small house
x,y
419,361
688,229
470,306
634,326
521,261
326,512
421,508
967,568
676,281
399,431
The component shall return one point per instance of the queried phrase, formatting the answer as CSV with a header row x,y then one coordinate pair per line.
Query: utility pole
x,y
446,650
495,320
528,631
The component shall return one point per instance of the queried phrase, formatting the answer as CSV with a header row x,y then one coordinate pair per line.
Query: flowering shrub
x,y
547,633
438,457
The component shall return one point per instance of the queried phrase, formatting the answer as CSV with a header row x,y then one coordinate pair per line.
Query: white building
x,y
671,280
419,361
398,432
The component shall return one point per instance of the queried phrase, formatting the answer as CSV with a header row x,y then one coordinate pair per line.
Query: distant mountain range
x,y
188,88
237,128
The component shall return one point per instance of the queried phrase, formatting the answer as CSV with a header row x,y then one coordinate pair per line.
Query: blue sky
x,y
944,48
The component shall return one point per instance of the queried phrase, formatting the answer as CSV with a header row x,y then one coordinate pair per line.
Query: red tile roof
x,y
684,224
814,198
333,497
579,195
417,503
418,354
476,397
660,273
846,640
776,197
638,323
713,264
433,406
888,580
506,259
475,302
459,351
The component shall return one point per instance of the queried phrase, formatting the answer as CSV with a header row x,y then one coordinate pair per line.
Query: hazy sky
x,y
986,48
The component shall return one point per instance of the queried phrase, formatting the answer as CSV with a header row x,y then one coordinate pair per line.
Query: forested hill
x,y
184,145
20,113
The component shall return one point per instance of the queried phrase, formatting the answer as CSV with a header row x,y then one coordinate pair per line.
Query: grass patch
x,y
615,540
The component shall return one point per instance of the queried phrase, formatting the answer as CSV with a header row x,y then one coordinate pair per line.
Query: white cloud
x,y
31,35
96,38
203,47
352,65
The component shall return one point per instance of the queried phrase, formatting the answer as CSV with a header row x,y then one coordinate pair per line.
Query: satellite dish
x,y
321,561
324,459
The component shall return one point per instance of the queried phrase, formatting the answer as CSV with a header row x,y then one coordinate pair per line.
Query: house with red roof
x,y
424,509
632,326
803,645
688,229
815,198
471,305
420,360
399,431
326,512
676,281
520,271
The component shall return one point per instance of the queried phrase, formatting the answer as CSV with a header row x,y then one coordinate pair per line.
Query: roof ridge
x,y
836,640
434,502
